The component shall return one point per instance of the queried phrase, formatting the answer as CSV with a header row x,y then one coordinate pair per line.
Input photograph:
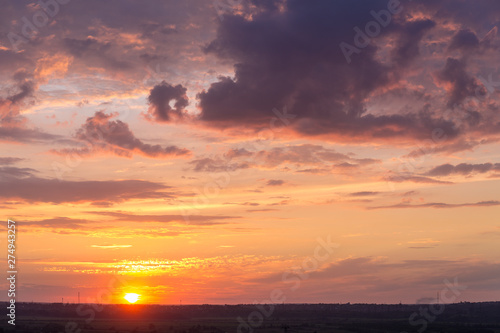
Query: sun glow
x,y
132,297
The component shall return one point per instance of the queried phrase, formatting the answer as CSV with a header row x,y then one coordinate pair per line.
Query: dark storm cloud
x,y
17,95
103,54
102,134
104,38
464,40
150,30
292,58
13,127
26,89
407,48
463,169
160,98
10,59
479,15
285,53
462,84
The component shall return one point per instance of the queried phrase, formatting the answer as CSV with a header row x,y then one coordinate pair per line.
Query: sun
x,y
132,297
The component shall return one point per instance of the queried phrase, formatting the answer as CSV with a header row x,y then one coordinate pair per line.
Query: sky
x,y
217,152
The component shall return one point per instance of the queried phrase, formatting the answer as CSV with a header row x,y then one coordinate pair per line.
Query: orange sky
x,y
164,151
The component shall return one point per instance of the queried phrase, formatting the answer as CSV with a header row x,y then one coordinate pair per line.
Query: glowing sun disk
x,y
132,297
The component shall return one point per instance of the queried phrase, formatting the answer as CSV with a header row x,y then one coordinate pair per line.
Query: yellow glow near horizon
x,y
132,297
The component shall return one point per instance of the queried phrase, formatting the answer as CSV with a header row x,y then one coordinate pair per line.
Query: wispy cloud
x,y
198,220
112,247
464,169
440,205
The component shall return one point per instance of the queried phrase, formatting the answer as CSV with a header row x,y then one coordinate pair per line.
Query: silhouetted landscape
x,y
57,317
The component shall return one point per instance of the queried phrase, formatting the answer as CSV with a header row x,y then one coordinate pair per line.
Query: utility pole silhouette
x,y
78,297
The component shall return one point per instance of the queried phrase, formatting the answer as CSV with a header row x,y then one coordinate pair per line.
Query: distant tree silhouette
x,y
53,328
152,328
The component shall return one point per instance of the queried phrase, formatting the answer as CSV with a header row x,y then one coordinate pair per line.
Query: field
x,y
288,318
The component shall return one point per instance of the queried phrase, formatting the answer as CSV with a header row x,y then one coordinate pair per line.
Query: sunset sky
x,y
202,151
